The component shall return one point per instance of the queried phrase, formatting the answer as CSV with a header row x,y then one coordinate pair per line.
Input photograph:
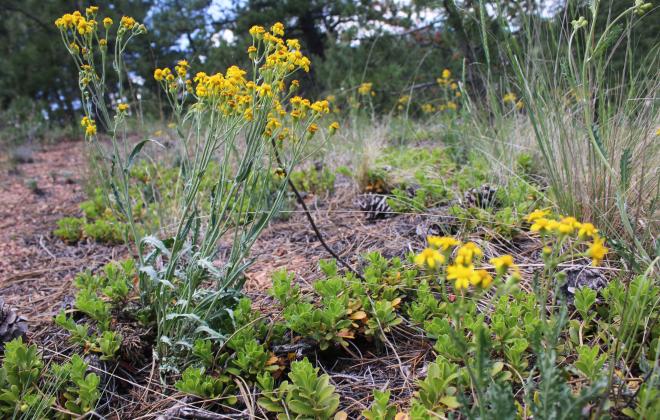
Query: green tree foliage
x,y
400,47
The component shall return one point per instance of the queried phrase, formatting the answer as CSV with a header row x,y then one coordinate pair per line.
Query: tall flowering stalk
x,y
240,120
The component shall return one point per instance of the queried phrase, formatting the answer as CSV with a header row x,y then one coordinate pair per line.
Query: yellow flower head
x,y
463,275
503,263
485,279
333,128
293,44
321,107
265,90
430,258
158,75
544,225
365,88
313,128
467,253
182,68
247,115
443,243
90,130
277,29
446,74
107,22
257,31
127,22
537,214
587,230
597,251
509,97
86,27
122,107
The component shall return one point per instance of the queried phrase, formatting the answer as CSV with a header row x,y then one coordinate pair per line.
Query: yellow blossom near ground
x,y
597,251
442,243
430,258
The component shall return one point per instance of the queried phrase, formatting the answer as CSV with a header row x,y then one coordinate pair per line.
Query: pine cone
x,y
482,197
375,206
11,325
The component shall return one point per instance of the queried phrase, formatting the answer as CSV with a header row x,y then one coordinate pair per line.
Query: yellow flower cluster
x,y
366,88
281,56
127,22
233,94
511,98
450,87
543,222
462,270
89,125
76,21
86,25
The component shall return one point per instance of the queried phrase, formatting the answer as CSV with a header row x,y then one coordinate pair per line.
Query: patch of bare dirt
x,y
36,267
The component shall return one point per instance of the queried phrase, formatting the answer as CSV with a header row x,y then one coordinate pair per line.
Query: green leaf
x,y
450,402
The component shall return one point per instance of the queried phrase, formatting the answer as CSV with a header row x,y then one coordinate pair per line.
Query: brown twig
x,y
310,218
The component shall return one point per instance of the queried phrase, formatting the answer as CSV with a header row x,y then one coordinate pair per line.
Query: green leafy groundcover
x,y
502,355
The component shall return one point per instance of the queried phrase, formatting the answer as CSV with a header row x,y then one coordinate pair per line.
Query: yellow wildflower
x,y
462,275
541,225
277,29
85,27
509,97
597,251
430,258
127,22
537,214
313,128
333,128
587,230
257,31
90,130
446,74
293,44
247,115
107,22
467,253
265,90
365,88
484,279
503,263
122,107
442,243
